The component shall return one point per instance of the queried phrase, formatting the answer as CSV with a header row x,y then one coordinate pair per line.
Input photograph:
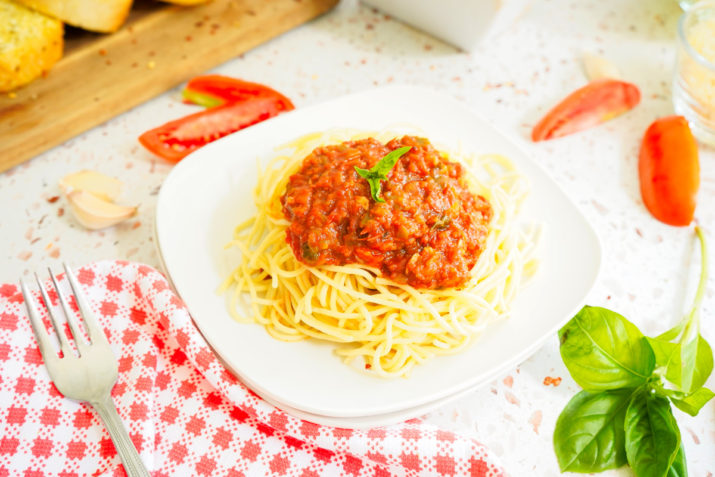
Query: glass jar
x,y
694,81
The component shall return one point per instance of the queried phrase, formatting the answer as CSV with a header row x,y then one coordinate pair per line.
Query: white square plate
x,y
209,193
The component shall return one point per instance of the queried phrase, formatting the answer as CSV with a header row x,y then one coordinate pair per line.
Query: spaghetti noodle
x,y
380,325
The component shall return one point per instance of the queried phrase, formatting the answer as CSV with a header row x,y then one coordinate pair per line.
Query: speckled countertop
x,y
512,79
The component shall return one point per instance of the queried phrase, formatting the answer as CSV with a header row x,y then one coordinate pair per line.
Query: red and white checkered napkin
x,y
185,412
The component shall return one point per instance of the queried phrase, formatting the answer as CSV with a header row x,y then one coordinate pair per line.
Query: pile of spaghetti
x,y
379,321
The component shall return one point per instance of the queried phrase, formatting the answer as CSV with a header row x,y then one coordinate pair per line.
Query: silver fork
x,y
88,377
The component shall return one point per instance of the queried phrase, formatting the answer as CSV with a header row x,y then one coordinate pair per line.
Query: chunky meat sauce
x,y
428,233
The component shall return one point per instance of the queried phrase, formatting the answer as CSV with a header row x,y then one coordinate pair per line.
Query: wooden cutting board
x,y
159,47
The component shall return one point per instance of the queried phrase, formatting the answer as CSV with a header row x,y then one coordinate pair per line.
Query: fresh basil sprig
x,y
379,171
624,414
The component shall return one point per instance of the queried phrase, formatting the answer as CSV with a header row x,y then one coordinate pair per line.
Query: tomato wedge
x,y
175,139
214,90
595,103
233,104
669,170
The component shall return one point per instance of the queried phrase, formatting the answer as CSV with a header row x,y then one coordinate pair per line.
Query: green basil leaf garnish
x,y
589,434
602,350
386,164
379,171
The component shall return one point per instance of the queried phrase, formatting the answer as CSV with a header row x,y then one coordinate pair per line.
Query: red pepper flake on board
x,y
53,199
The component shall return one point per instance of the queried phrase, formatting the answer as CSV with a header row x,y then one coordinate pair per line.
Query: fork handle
x,y
133,464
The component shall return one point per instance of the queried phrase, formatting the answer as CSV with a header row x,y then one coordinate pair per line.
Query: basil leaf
x,y
379,171
693,402
386,164
672,333
665,352
669,356
652,435
688,355
680,465
373,179
364,173
375,189
602,350
696,363
589,434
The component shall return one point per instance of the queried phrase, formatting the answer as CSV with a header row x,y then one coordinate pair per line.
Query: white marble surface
x,y
512,79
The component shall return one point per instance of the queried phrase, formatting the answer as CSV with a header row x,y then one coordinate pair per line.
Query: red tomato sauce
x,y
428,233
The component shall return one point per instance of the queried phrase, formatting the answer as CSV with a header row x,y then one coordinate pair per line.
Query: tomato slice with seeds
x,y
213,90
233,104
176,139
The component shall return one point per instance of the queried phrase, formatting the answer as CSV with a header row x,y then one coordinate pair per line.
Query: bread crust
x,y
30,43
185,2
104,16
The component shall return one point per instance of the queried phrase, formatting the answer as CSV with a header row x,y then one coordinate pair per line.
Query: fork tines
x,y
38,326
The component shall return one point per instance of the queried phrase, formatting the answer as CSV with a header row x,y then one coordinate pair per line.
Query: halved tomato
x,y
232,104
595,103
669,170
175,139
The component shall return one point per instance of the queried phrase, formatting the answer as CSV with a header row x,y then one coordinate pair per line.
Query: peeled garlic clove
x,y
598,67
95,213
104,187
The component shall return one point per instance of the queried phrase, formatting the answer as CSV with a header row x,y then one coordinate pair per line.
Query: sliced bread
x,y
30,43
95,15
